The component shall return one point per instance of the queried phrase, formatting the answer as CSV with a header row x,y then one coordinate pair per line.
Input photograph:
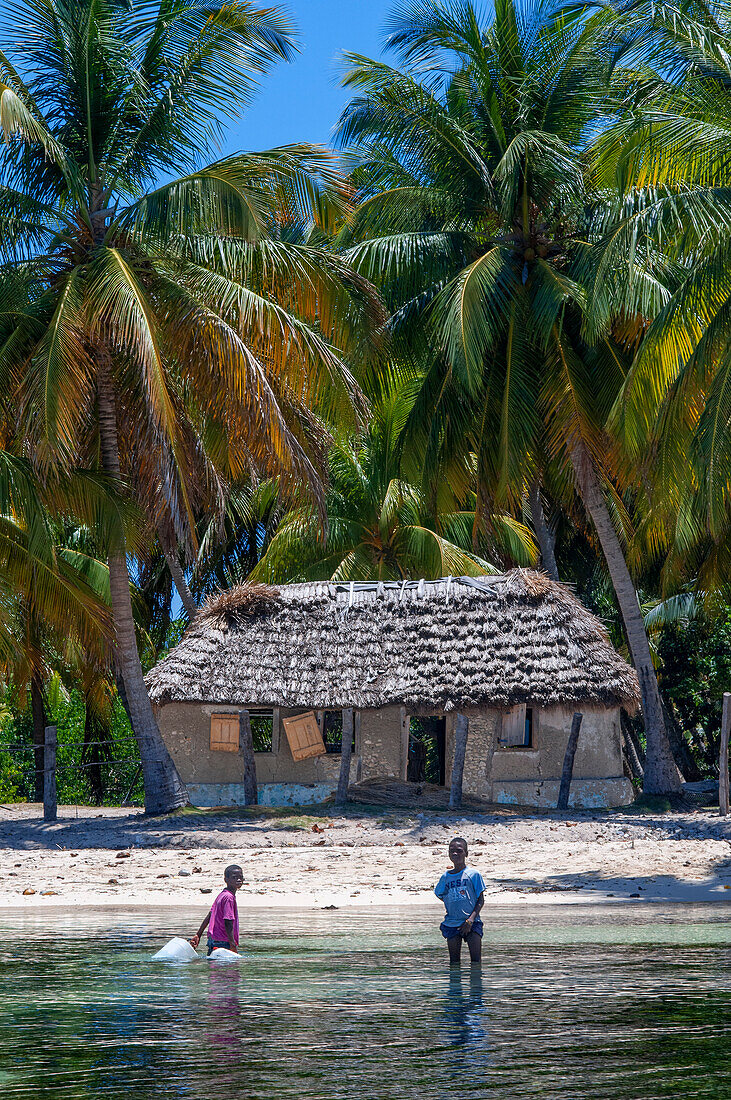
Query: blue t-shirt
x,y
459,890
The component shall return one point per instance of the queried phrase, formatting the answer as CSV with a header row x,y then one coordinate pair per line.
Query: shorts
x,y
449,931
213,944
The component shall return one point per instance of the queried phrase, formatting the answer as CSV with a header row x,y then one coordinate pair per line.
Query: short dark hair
x,y
461,839
230,870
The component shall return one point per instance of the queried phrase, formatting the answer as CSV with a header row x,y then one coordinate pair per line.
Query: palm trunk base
x,y
661,774
164,789
163,792
681,749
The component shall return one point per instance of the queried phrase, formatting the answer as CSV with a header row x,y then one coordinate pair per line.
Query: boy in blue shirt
x,y
462,891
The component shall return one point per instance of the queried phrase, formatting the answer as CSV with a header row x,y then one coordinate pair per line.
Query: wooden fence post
x,y
461,728
132,785
49,775
568,763
723,756
346,751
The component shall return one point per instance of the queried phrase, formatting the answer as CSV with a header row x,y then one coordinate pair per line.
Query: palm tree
x,y
232,547
667,155
171,332
379,524
472,219
52,595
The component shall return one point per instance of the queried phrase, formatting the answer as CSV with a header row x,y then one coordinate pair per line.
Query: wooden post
x,y
404,745
246,748
461,728
132,785
346,751
723,756
49,775
568,763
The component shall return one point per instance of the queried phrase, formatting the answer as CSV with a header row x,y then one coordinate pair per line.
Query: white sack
x,y
177,950
223,955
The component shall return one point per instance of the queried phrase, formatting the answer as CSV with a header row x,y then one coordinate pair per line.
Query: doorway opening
x,y
427,738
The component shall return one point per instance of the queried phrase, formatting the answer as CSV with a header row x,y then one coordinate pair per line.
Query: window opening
x,y
332,731
262,730
528,739
426,760
517,728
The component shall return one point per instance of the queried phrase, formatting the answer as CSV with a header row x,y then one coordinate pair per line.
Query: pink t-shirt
x,y
224,908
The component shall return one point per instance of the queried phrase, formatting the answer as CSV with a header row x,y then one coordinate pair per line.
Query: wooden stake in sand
x,y
723,756
246,748
461,728
568,763
49,775
346,750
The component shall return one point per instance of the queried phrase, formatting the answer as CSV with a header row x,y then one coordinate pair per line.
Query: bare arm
x,y
229,926
467,926
196,939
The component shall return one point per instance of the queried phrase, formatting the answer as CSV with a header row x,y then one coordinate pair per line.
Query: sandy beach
x,y
99,857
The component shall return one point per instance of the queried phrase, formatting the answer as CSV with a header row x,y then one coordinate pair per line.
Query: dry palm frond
x,y
462,643
235,604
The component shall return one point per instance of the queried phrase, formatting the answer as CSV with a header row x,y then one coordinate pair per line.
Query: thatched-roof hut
x,y
516,654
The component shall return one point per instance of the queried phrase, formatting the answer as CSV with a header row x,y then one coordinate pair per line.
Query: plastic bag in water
x,y
177,950
223,955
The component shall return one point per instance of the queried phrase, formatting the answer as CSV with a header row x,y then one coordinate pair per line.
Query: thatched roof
x,y
432,646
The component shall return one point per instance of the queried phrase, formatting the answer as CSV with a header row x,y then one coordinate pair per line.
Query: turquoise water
x,y
571,1003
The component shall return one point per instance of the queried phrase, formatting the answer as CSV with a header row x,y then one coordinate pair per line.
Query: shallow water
x,y
572,1003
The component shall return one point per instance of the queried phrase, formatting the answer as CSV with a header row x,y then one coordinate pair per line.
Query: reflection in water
x,y
224,1015
464,1012
582,1005
465,1031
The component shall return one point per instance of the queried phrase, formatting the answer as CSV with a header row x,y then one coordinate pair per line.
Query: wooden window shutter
x,y
225,732
304,736
512,731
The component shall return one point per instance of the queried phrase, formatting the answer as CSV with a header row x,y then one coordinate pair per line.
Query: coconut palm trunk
x,y
164,790
544,534
661,773
176,572
204,292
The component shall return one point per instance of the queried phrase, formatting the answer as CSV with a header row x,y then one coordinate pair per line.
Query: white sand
x,y
393,858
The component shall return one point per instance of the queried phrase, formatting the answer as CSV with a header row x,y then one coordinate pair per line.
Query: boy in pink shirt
x,y
223,920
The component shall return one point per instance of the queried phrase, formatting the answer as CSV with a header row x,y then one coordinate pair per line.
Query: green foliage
x,y
73,780
543,205
199,301
165,318
475,222
695,672
380,525
662,236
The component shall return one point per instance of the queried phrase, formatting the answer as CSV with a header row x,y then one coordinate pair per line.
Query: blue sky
x,y
302,101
